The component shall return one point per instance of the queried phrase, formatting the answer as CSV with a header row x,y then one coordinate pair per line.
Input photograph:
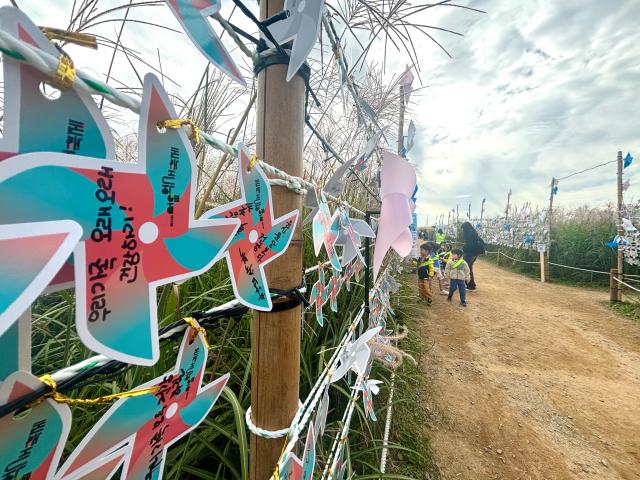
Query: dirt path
x,y
532,381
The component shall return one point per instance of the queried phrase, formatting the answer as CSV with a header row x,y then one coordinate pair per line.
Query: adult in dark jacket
x,y
472,248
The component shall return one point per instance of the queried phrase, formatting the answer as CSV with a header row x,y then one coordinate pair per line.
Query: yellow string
x,y
65,73
253,161
180,122
196,326
61,398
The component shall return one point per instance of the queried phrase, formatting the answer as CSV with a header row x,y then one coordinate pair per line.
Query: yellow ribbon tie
x,y
196,326
180,122
65,73
82,39
61,398
253,161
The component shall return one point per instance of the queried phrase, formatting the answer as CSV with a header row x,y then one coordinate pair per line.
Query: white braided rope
x,y
301,183
261,432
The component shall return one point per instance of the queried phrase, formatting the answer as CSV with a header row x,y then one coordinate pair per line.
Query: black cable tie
x,y
284,14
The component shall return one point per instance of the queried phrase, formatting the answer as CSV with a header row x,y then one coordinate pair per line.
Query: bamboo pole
x,y
620,268
275,365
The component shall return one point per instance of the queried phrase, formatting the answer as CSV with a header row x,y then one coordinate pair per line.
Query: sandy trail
x,y
532,381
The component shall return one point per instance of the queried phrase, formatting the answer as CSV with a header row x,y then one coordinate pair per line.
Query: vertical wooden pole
x,y
506,210
275,365
620,271
482,210
614,286
543,267
469,211
401,122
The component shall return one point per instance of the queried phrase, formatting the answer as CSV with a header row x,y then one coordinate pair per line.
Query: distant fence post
x,y
544,274
615,290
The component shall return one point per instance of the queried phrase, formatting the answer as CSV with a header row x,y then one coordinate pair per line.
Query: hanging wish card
x,y
260,239
319,296
302,26
31,442
192,15
137,223
369,388
309,458
136,432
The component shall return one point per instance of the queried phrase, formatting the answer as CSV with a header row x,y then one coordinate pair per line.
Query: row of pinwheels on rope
x,y
115,231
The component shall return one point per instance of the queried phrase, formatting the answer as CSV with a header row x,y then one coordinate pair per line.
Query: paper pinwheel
x,y
137,225
74,124
628,225
351,231
31,444
628,159
260,239
137,431
406,82
626,185
335,283
398,182
292,468
411,135
302,26
369,388
353,269
321,413
319,296
325,231
192,15
356,355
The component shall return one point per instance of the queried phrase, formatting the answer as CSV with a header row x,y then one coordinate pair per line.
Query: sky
x,y
535,89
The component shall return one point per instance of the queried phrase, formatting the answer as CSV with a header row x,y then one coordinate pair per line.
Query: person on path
x,y
440,236
472,248
458,273
426,271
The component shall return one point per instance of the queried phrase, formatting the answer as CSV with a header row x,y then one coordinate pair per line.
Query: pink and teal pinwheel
x,y
351,233
137,223
74,125
31,444
290,467
325,229
260,239
137,431
192,15
319,296
302,26
398,182
335,284
73,122
369,388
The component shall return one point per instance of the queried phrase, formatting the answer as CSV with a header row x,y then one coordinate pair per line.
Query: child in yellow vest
x,y
426,271
458,273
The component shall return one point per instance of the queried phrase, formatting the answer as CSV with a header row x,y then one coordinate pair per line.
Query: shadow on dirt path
x,y
532,381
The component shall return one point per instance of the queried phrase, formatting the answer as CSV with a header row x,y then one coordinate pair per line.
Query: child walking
x,y
426,271
458,273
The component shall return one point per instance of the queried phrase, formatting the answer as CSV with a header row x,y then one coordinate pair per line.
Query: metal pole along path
x,y
275,337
